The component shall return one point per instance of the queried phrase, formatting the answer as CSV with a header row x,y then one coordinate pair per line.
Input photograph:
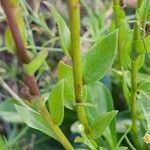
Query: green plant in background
x,y
79,89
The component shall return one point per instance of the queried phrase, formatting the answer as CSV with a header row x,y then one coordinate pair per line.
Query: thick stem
x,y
21,49
74,11
116,4
134,82
59,134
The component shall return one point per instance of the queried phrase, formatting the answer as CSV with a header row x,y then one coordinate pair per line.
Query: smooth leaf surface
x,y
101,123
65,72
98,95
8,111
100,58
35,64
34,120
144,91
127,48
56,103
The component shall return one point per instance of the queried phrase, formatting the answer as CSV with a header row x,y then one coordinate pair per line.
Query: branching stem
x,y
134,82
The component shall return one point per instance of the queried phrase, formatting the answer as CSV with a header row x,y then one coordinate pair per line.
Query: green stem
x,y
134,82
116,5
59,134
74,12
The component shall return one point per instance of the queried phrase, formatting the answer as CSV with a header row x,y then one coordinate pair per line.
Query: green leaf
x,y
64,32
65,72
99,95
121,23
144,11
137,42
9,41
34,120
123,121
147,43
56,103
100,58
127,48
35,64
119,13
144,91
101,123
8,111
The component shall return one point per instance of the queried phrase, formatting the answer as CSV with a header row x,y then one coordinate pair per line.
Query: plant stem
x,y
59,134
21,49
116,5
134,82
74,12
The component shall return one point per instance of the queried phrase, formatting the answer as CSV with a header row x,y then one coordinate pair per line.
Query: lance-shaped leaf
x,y
64,32
101,123
56,102
100,58
99,95
144,11
121,23
137,42
65,72
34,120
35,64
8,111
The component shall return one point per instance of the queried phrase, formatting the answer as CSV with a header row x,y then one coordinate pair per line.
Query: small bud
x,y
77,127
147,138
